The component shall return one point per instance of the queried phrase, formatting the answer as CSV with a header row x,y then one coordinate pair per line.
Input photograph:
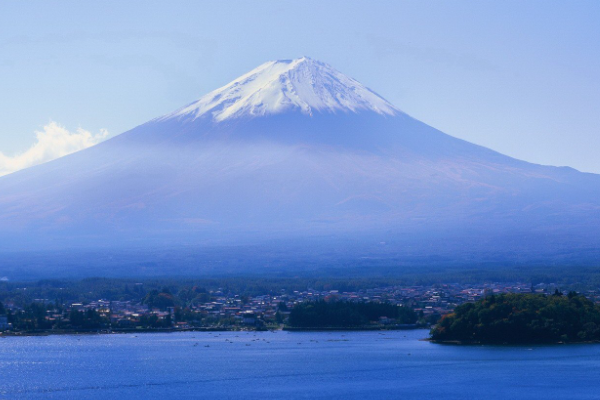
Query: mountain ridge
x,y
282,172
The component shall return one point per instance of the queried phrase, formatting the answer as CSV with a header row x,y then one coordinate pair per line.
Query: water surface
x,y
292,365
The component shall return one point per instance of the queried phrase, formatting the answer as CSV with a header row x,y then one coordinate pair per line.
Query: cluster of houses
x,y
230,309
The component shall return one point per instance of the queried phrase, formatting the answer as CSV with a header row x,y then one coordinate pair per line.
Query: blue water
x,y
306,365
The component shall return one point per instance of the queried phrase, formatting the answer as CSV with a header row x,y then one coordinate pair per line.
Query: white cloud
x,y
53,142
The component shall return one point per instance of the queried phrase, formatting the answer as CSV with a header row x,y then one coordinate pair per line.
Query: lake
x,y
291,365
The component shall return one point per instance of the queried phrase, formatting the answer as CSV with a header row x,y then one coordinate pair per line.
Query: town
x,y
219,309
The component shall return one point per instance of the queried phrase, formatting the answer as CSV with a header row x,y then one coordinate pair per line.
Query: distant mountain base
x,y
447,261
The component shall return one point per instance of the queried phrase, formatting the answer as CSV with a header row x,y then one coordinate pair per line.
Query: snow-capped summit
x,y
303,84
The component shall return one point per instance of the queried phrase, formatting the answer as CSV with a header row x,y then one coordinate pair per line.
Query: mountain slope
x,y
295,149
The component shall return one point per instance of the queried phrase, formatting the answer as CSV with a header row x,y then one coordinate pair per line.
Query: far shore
x,y
202,329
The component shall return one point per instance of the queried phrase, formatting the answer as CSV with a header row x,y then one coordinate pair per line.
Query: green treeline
x,y
322,314
34,317
522,318
82,290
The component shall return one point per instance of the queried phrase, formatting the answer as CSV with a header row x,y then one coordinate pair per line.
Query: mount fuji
x,y
296,152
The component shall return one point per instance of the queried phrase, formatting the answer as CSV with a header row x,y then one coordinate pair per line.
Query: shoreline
x,y
356,329
478,343
122,331
197,329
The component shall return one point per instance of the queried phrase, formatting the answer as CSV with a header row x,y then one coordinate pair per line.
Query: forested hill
x,y
522,319
343,314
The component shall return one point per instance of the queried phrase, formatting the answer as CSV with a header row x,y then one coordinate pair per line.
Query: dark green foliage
x,y
321,314
522,318
189,296
88,319
32,317
152,321
278,317
161,300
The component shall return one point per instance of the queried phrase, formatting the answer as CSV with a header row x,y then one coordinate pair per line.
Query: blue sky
x,y
520,77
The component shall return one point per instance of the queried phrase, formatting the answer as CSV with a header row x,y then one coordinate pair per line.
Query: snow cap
x,y
303,84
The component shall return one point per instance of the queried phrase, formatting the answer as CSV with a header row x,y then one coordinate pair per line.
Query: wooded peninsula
x,y
521,319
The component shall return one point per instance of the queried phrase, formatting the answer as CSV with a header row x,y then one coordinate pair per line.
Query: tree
x,y
572,294
278,317
161,300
